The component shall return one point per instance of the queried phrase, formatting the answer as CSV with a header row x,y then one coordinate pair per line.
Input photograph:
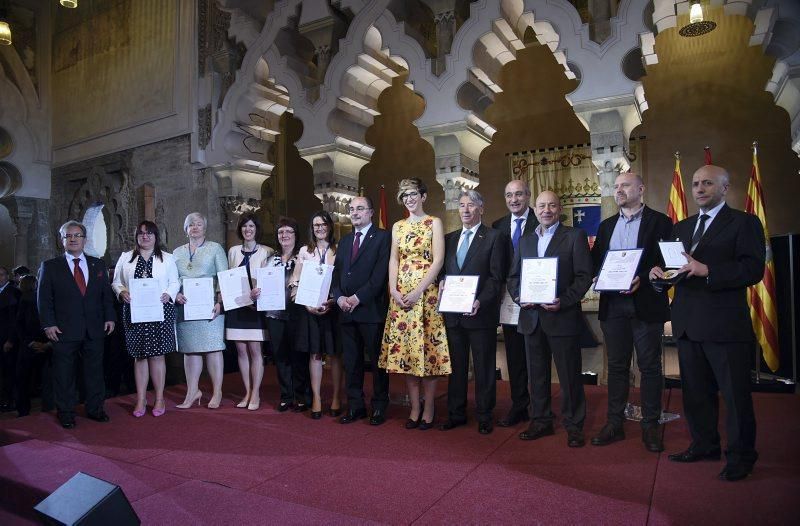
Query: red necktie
x,y
79,277
356,246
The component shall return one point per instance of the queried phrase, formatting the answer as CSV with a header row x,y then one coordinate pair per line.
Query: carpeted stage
x,y
232,466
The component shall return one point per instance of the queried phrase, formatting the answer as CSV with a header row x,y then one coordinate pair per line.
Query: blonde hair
x,y
413,183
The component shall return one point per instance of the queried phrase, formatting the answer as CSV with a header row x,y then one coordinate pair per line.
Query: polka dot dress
x,y
147,339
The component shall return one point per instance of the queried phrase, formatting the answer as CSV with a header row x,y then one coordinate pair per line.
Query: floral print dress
x,y
414,340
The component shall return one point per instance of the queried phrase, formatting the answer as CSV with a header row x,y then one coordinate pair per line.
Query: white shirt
x,y
545,235
364,230
514,218
711,215
474,231
4,286
83,264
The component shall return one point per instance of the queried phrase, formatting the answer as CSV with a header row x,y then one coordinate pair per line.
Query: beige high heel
x,y
187,404
213,405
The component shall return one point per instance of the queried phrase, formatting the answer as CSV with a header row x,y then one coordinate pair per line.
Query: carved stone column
x,y
21,211
239,192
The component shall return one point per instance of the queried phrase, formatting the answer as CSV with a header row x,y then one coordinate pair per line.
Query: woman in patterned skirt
x,y
414,338
200,258
245,325
148,342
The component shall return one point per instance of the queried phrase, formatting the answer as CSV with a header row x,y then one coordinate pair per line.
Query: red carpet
x,y
236,466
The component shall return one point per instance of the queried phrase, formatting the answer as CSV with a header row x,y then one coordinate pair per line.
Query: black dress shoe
x,y
413,424
98,417
316,415
513,419
67,422
484,428
536,431
575,439
377,417
451,424
423,425
299,408
651,436
608,434
735,472
692,455
284,406
353,415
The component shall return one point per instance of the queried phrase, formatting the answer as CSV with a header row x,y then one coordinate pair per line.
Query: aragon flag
x,y
676,207
763,303
383,218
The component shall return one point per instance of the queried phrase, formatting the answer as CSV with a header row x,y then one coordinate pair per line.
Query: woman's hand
x,y
255,293
165,298
125,296
216,311
412,298
398,298
180,299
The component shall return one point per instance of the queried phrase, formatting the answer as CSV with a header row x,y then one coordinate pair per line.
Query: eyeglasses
x,y
359,209
406,195
145,234
319,226
285,232
74,236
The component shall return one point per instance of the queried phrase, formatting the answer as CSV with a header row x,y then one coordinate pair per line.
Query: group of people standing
x,y
400,329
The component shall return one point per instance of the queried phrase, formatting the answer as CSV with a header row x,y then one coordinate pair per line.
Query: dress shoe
x,y
451,424
67,422
536,431
734,472
484,428
98,417
608,434
651,436
353,415
412,424
575,438
299,408
423,425
692,455
284,406
513,419
378,417
316,415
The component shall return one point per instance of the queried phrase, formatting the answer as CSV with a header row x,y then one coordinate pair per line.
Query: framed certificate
x,y
314,285
538,280
672,252
458,294
234,286
272,282
199,293
146,303
618,270
509,311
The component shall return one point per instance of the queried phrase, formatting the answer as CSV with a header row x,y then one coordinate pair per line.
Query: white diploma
x,y
618,270
272,282
538,280
234,287
672,251
458,294
509,311
146,300
315,284
199,293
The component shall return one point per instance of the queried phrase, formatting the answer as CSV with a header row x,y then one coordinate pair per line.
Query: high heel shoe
x,y
335,412
189,403
215,405
425,425
413,424
253,406
158,411
139,413
316,415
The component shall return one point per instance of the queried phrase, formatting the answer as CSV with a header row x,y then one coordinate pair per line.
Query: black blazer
x,y
715,309
366,277
61,304
571,245
504,225
486,258
9,300
651,306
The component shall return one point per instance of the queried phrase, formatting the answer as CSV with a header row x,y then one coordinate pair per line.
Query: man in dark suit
x,y
9,299
76,311
551,330
519,222
635,317
474,250
726,251
359,286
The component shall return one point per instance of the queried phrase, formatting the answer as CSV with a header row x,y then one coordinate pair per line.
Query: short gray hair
x,y
191,217
472,195
71,223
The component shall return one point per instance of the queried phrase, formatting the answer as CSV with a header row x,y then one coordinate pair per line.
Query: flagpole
x,y
757,345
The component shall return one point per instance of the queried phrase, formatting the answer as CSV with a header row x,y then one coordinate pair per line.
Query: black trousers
x,y
8,364
707,367
291,366
483,344
623,333
64,356
565,352
33,368
357,338
517,369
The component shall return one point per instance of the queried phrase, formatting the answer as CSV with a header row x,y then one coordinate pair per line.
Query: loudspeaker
x,y
85,500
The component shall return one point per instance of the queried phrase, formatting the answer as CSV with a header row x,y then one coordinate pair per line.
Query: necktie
x,y
80,279
461,255
517,233
700,231
356,246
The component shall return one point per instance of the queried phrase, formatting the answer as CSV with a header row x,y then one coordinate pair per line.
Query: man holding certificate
x,y
550,318
631,315
474,269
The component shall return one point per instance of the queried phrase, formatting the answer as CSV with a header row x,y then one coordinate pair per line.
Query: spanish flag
x,y
676,208
762,299
383,218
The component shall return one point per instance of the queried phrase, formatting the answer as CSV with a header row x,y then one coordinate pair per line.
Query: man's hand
x,y
656,273
108,327
7,346
354,302
634,286
475,306
552,307
52,333
694,267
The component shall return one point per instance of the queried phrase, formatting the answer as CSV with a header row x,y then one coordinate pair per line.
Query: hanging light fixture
x,y
697,24
5,29
71,4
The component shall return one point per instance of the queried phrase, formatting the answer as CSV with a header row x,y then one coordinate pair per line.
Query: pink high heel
x,y
161,411
139,413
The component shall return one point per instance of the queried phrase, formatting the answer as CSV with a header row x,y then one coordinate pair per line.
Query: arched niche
x,y
96,230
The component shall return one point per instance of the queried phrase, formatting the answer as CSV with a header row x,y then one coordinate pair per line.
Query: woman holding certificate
x,y
245,325
201,327
317,326
414,338
146,283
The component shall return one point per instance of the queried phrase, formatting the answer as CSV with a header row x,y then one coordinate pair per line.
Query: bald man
x,y
725,250
551,330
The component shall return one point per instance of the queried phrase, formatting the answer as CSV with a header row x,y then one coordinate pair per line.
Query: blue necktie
x,y
517,233
461,255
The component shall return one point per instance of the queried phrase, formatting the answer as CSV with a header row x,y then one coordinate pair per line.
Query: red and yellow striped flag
x,y
676,207
763,310
383,219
